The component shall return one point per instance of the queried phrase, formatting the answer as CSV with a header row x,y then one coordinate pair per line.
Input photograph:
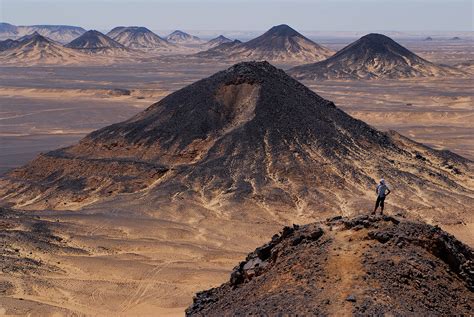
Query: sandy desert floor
x,y
137,263
436,112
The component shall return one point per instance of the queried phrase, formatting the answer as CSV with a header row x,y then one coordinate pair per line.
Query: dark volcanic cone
x,y
373,56
253,136
138,37
94,41
279,44
365,266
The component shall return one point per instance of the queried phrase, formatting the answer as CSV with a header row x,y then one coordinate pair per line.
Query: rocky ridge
x,y
59,33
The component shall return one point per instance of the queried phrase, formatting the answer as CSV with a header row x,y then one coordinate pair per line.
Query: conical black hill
x,y
373,56
249,137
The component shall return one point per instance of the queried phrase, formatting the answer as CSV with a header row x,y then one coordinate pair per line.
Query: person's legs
x,y
382,201
376,205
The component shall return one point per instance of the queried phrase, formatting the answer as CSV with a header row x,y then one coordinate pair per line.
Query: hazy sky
x,y
323,15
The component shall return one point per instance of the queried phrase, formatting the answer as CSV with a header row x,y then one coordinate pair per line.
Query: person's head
x,y
382,181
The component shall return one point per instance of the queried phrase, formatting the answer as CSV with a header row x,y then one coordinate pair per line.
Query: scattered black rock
x,y
21,236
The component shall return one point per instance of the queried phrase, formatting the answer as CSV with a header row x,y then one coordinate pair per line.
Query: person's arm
x,y
388,191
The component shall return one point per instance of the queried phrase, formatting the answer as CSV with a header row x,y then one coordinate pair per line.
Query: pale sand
x,y
138,265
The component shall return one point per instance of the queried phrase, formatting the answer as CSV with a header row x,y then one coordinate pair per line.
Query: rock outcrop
x,y
367,265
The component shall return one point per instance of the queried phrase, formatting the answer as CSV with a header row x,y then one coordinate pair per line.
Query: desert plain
x,y
129,260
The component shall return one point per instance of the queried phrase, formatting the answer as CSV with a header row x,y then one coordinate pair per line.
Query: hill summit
x,y
282,30
250,137
373,56
370,266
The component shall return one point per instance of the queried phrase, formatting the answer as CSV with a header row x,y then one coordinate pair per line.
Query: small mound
x,y
367,265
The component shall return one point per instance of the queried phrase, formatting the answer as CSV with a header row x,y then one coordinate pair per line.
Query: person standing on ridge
x,y
382,192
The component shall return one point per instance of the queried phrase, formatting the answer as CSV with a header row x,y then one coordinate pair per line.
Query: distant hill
x,y
373,56
8,30
279,44
180,37
59,33
361,266
221,39
37,49
221,50
117,30
138,38
6,44
95,42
